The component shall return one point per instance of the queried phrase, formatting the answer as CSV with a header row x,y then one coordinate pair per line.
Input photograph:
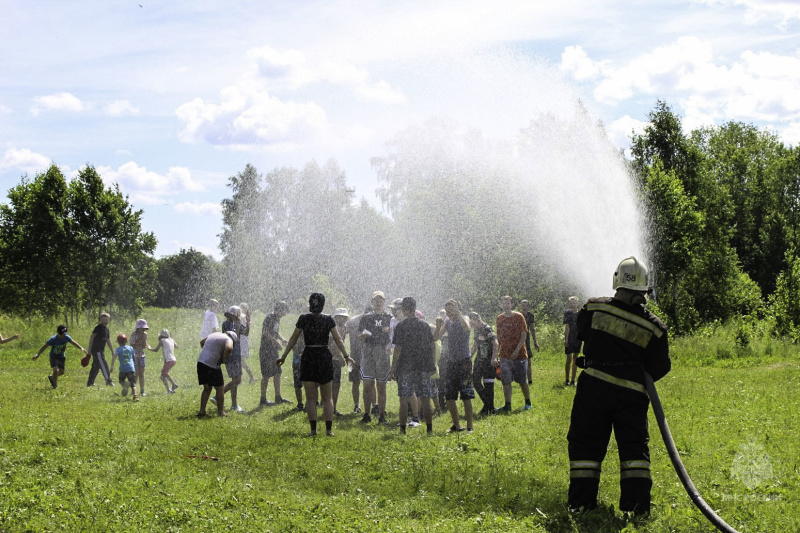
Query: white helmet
x,y
631,274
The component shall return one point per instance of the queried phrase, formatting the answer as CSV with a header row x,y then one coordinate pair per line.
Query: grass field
x,y
87,459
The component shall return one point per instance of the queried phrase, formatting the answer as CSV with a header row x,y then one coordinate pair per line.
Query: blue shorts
x,y
139,361
58,361
513,370
415,382
458,380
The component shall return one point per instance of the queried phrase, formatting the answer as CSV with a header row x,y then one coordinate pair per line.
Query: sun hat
x,y
233,310
341,311
164,333
141,323
378,294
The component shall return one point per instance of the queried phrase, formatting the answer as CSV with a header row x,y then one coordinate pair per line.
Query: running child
x,y
58,346
166,341
127,368
139,343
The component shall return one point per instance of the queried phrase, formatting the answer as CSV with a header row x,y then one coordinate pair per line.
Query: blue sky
x,y
170,98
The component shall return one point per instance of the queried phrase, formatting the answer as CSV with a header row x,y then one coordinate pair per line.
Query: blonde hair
x,y
244,307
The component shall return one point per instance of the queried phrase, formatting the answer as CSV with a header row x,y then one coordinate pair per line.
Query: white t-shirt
x,y
210,324
211,354
168,346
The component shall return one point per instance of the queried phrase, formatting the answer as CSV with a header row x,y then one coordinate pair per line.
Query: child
x,y
139,343
127,369
244,343
58,345
165,340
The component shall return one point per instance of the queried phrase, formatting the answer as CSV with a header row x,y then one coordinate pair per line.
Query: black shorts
x,y
209,376
573,348
458,380
316,365
483,369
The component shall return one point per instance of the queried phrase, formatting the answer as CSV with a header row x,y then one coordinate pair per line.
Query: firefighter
x,y
622,340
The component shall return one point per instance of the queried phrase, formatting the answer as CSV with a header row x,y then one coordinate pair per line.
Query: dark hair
x,y
316,302
409,304
61,329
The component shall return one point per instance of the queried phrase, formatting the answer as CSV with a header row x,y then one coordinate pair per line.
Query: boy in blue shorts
x,y
58,345
127,369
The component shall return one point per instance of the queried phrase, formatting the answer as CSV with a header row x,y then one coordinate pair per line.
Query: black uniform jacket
x,y
622,339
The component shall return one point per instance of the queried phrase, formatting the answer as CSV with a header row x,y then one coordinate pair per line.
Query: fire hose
x,y
691,490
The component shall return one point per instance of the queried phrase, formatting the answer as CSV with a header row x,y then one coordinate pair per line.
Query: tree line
x,y
720,208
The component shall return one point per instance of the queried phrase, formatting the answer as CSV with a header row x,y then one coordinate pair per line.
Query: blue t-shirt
x,y
125,356
58,345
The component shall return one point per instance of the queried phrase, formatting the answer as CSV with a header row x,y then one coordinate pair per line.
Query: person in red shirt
x,y
512,358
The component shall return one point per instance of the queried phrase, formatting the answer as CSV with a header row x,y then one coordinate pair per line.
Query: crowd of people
x,y
434,365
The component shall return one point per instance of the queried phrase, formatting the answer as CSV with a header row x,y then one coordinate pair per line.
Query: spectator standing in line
x,y
413,363
58,346
512,358
356,353
485,345
458,375
530,322
340,316
210,322
233,364
244,341
316,369
572,346
98,340
376,366
271,344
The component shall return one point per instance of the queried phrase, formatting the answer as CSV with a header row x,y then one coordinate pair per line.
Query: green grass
x,y
78,459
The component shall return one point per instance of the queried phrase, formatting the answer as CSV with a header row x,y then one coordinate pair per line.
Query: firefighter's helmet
x,y
631,274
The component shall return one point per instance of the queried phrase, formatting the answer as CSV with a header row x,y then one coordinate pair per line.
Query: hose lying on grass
x,y
698,500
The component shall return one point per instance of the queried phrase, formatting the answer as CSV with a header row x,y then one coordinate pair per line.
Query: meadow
x,y
88,459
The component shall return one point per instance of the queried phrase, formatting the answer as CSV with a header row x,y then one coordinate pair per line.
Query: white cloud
x,y
205,250
757,11
292,69
791,134
24,160
120,108
57,102
247,117
575,61
758,86
147,186
5,110
620,130
199,208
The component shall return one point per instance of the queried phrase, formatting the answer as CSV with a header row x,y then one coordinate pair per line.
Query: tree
x,y
186,279
69,248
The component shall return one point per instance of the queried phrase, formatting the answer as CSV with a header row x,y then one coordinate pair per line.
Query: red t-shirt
x,y
509,332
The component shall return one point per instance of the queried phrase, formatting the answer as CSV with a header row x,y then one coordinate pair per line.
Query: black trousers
x,y
99,364
599,407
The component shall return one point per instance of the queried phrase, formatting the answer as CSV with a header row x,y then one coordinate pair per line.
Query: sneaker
x,y
174,387
376,410
170,391
237,409
300,407
566,383
382,420
266,403
366,419
312,433
571,383
337,414
143,395
356,409
135,398
281,400
413,423
470,430
504,409
455,429
329,433
527,407
52,383
213,399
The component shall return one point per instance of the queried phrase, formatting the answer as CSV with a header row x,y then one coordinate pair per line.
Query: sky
x,y
168,99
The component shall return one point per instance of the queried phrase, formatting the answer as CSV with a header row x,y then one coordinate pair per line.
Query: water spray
x,y
691,490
